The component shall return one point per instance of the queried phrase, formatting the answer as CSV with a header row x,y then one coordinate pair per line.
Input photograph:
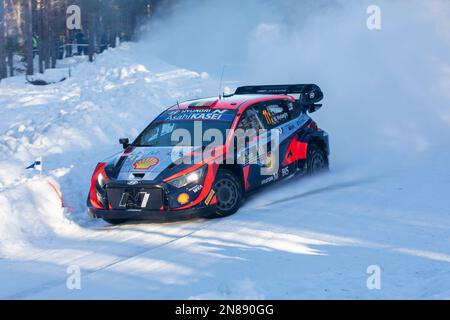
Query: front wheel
x,y
229,194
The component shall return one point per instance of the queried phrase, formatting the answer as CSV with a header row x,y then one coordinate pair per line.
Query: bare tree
x,y
3,71
52,13
28,13
91,34
10,54
91,9
46,34
40,28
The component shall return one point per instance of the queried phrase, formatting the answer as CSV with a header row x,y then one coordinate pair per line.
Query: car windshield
x,y
187,127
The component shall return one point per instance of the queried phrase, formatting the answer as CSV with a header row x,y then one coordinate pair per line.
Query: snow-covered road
x,y
315,243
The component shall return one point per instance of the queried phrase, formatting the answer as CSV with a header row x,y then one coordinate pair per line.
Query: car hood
x,y
148,163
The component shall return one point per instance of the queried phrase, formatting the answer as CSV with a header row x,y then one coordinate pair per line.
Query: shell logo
x,y
146,163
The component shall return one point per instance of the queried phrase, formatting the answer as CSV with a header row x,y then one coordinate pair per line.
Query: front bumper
x,y
145,200
151,215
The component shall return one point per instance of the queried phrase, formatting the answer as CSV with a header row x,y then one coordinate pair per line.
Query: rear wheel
x,y
229,194
316,160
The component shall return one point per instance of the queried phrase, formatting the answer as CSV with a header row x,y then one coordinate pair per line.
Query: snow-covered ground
x,y
385,202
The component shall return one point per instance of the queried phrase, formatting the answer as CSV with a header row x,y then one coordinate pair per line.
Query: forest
x,y
39,32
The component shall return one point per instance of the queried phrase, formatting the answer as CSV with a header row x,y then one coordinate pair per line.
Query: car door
x,y
277,119
248,155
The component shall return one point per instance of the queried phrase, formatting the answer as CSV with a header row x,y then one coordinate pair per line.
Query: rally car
x,y
160,177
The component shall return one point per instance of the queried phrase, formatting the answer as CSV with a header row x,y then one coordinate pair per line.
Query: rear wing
x,y
309,94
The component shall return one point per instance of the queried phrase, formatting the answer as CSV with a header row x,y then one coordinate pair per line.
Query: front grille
x,y
123,198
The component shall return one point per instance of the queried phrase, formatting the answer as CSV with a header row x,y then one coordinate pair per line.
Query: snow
x,y
384,203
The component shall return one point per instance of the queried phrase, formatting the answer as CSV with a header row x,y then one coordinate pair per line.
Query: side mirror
x,y
125,142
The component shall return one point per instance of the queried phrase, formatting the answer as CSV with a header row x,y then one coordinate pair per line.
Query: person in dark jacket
x,y
79,37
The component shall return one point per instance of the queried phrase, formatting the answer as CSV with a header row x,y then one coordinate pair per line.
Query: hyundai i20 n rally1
x,y
201,158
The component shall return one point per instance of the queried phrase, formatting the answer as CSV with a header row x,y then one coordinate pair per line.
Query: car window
x,y
195,121
157,132
250,120
293,109
274,113
161,133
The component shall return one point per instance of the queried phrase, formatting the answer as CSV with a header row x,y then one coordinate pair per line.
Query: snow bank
x,y
72,125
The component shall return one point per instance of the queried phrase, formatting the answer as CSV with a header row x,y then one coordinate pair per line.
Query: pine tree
x,y
52,27
102,22
28,14
40,29
3,71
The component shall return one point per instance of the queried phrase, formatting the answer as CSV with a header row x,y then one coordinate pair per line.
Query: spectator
x,y
103,43
35,41
60,44
79,38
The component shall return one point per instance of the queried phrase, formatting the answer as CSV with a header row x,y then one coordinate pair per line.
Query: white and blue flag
x,y
37,165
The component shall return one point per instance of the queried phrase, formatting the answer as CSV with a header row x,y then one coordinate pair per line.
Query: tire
x,y
229,194
115,221
316,160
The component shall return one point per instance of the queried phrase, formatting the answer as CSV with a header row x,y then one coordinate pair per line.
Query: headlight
x,y
191,177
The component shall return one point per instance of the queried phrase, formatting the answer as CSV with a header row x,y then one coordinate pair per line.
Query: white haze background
x,y
385,90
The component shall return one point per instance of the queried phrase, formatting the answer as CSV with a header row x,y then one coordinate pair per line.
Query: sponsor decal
x,y
267,180
196,188
183,198
135,155
275,114
267,116
275,176
280,117
140,199
146,163
272,178
197,114
209,197
132,182
153,152
284,171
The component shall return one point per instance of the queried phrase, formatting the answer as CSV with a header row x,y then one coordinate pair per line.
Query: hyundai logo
x,y
132,182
